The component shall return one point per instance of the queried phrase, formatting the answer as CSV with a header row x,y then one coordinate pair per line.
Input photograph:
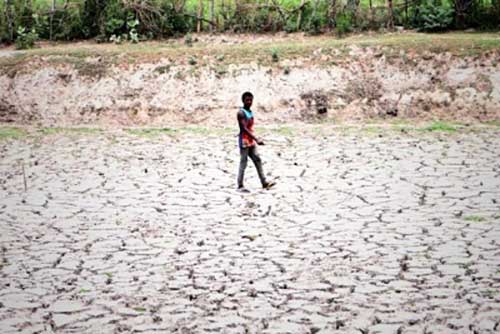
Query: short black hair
x,y
245,94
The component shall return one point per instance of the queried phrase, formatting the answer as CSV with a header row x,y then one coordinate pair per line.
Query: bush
x,y
188,40
314,25
274,55
25,40
115,18
173,22
343,24
433,18
484,16
132,31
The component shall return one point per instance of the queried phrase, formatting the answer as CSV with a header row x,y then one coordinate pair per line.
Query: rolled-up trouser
x,y
252,152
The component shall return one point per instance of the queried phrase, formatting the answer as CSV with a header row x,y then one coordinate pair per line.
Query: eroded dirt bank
x,y
339,84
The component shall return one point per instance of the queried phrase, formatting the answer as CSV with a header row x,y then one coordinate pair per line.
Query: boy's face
x,y
247,102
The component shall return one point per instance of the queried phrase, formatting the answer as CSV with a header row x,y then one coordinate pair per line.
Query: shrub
x,y
432,18
188,40
484,16
25,40
274,55
132,25
314,25
115,39
343,24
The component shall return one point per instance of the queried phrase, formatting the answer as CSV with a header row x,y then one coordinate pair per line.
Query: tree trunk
x,y
269,14
352,7
212,14
10,19
200,14
372,23
299,19
390,23
52,10
332,12
222,13
461,8
406,12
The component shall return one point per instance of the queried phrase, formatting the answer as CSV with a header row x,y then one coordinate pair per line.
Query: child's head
x,y
247,99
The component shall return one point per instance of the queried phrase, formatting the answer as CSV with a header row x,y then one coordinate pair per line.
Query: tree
x,y
199,24
9,16
461,7
390,22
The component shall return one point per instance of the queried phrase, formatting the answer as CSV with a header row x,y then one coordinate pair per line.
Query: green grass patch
x,y
84,290
440,126
11,133
139,309
373,129
474,218
247,51
196,130
163,69
199,130
493,123
284,131
151,132
69,131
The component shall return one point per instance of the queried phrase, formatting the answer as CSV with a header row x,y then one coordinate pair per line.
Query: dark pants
x,y
244,154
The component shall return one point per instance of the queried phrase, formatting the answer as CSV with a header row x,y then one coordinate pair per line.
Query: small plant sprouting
x,y
274,55
188,40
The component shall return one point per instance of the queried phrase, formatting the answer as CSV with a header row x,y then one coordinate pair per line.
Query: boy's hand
x,y
259,141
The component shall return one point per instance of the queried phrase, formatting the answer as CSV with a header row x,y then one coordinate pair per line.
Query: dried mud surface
x,y
389,233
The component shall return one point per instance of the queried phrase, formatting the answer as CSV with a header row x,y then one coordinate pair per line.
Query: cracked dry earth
x,y
364,233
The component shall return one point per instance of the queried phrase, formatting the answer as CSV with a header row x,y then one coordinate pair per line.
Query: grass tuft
x,y
440,126
474,218
69,131
11,133
151,132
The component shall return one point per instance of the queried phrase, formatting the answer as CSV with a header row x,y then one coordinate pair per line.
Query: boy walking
x,y
248,143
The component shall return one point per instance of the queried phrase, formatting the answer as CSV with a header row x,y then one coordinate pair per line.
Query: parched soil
x,y
294,78
371,232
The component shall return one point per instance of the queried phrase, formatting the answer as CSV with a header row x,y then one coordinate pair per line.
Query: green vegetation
x,y
474,218
163,69
243,53
274,55
206,131
440,126
134,21
284,131
374,130
318,129
344,24
25,39
493,123
70,131
11,133
150,132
